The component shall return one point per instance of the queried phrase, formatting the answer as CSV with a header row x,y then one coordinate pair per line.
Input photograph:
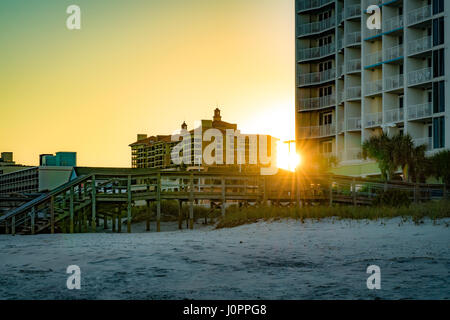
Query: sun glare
x,y
287,158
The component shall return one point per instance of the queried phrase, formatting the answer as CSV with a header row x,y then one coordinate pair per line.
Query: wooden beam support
x,y
119,220
223,196
147,224
13,225
94,205
158,203
180,214
52,214
33,217
71,209
129,204
191,201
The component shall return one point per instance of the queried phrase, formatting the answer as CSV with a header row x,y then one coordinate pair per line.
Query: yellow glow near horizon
x,y
285,159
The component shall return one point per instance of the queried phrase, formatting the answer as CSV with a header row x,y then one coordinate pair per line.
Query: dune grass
x,y
416,212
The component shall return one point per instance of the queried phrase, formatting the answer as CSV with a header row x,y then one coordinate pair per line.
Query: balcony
x,y
419,15
305,5
353,11
340,70
316,77
354,124
318,131
420,111
353,65
428,142
374,87
392,24
393,53
353,93
316,27
317,103
353,38
340,127
420,45
374,58
419,76
393,83
371,33
317,52
373,119
394,115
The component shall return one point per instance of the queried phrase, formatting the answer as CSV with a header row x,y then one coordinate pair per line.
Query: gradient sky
x,y
140,66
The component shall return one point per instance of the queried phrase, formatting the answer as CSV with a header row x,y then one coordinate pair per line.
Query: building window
x,y
439,97
326,118
438,31
325,91
438,6
439,133
326,147
324,66
401,102
325,41
438,63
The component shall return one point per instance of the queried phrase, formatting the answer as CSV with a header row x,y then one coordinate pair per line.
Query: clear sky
x,y
140,66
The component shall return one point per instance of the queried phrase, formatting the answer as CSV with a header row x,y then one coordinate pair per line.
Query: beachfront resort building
x,y
155,151
352,82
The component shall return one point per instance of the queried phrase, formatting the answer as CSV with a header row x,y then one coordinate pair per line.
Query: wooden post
x,y
158,203
94,206
13,225
71,209
119,220
415,193
180,214
52,214
147,227
191,201
223,197
33,216
105,222
129,205
6,227
85,220
354,191
113,223
331,193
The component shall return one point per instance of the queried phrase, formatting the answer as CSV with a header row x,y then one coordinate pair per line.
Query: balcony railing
x,y
428,142
394,82
316,77
340,70
353,92
419,76
318,131
317,52
315,27
420,111
353,11
371,33
374,87
340,127
317,103
353,65
312,4
420,45
394,115
393,53
353,38
373,119
393,23
354,123
419,15
374,58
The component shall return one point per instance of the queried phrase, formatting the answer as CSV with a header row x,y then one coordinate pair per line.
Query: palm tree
x,y
440,166
380,148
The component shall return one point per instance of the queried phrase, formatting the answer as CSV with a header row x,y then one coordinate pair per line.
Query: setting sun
x,y
287,158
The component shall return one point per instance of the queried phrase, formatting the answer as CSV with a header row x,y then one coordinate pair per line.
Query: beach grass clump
x,y
415,212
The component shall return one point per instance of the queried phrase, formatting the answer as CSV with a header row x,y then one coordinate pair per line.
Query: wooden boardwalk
x,y
76,202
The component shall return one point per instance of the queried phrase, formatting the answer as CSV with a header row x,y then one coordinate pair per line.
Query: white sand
x,y
276,260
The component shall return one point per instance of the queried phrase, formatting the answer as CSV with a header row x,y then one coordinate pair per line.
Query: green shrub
x,y
392,198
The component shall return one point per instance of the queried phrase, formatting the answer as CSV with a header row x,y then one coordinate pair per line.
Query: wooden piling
x,y
191,201
52,214
105,222
180,214
33,217
94,206
71,209
129,205
13,225
158,203
147,227
119,220
223,196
